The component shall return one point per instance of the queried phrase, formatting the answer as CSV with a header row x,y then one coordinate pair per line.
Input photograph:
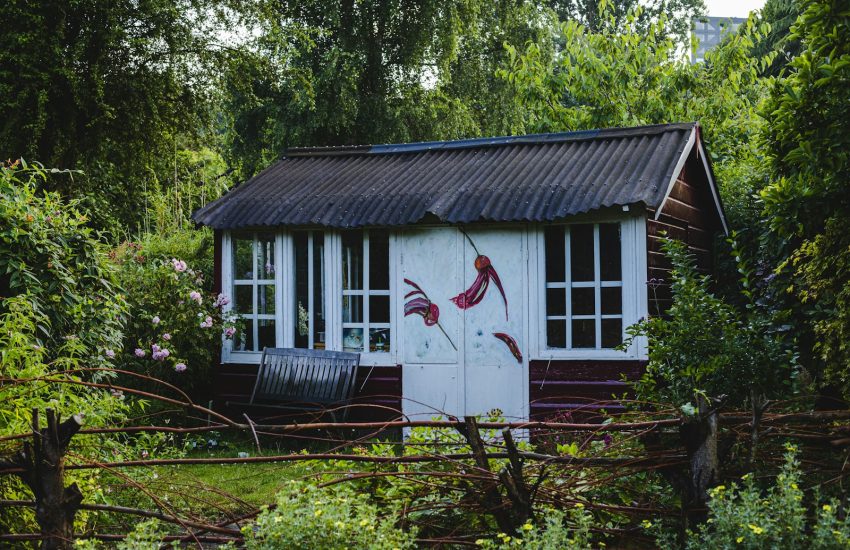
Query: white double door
x,y
459,362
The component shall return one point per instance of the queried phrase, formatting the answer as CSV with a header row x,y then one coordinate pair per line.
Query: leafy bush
x,y
569,529
52,261
747,517
60,314
336,517
702,346
175,325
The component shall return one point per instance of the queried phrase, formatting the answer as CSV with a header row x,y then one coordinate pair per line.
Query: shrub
x,y
703,347
747,517
175,325
60,314
336,517
569,529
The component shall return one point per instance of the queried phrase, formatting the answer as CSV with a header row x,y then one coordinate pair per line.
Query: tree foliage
x,y
677,15
625,75
807,201
703,347
109,86
342,73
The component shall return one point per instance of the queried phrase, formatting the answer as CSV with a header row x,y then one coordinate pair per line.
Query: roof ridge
x,y
481,142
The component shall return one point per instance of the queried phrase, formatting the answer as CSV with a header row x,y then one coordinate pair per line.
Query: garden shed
x,y
471,275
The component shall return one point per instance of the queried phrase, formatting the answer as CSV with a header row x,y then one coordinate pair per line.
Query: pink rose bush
x,y
175,326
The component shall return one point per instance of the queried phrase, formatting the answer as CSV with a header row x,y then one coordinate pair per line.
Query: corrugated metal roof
x,y
524,178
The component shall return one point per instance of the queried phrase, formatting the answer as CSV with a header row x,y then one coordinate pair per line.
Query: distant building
x,y
709,31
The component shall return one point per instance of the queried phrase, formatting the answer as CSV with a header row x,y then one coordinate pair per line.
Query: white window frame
x,y
633,280
368,358
228,354
285,317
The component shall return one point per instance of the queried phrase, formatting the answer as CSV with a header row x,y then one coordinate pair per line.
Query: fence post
x,y
43,462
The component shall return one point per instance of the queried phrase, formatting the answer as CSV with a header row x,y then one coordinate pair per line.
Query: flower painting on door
x,y
420,304
473,295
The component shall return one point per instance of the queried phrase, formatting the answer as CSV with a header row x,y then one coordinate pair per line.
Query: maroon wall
x,y
578,387
689,215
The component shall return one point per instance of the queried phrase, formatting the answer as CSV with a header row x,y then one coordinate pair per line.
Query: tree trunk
x,y
44,463
700,438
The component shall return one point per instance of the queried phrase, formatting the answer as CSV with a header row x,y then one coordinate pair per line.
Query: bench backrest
x,y
305,375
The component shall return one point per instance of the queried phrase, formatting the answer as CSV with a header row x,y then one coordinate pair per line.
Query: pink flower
x,y
221,301
207,323
155,348
166,336
110,354
155,320
195,295
139,352
180,367
179,265
229,332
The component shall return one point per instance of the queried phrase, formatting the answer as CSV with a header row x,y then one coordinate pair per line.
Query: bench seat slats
x,y
304,378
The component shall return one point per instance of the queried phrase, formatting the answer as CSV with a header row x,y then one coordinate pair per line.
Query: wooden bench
x,y
305,379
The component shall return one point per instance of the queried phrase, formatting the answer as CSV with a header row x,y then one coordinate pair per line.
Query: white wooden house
x,y
471,275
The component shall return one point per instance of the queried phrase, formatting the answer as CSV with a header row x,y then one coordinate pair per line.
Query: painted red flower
x,y
420,304
478,289
511,343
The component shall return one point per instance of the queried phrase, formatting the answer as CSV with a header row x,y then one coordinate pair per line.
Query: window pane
x,y
584,301
555,252
242,257
379,309
612,332
243,299
265,334
352,260
609,251
243,340
612,300
352,309
379,340
379,259
265,256
318,286
581,252
265,299
302,302
352,339
584,333
556,301
556,334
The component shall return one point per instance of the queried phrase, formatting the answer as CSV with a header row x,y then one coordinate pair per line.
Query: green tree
x,y
807,202
344,73
623,75
780,15
112,86
678,14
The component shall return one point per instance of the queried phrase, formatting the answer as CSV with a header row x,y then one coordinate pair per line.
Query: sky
x,y
732,8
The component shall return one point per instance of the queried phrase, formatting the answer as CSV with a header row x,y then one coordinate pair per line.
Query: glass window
x,y
253,291
309,304
366,291
584,286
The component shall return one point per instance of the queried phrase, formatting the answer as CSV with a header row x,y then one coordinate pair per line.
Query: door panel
x,y
429,391
430,260
493,376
